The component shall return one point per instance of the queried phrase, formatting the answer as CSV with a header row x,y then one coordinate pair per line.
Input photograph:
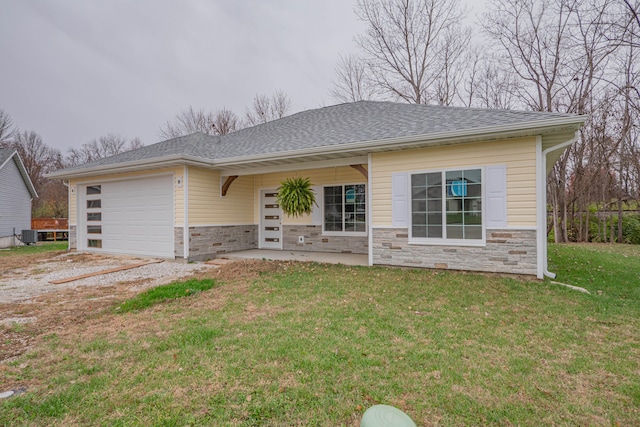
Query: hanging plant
x,y
296,197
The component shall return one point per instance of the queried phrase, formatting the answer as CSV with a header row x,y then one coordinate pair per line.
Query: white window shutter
x,y
400,199
496,195
316,211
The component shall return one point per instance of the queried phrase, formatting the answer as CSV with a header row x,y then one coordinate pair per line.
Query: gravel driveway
x,y
32,307
29,281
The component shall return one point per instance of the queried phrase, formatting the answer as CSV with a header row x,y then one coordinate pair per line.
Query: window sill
x,y
344,234
479,243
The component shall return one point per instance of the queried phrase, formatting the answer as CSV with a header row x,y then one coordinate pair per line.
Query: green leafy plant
x,y
164,293
296,197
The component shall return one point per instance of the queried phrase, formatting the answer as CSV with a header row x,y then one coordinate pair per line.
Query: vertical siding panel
x,y
15,200
72,194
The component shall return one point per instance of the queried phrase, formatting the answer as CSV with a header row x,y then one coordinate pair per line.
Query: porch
x,y
326,257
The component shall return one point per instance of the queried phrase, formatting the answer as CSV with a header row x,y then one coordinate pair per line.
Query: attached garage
x,y
129,217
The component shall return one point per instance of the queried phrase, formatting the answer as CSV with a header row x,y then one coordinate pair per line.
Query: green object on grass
x,y
164,293
385,416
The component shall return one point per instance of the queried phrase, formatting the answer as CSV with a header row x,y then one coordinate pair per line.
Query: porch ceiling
x,y
297,163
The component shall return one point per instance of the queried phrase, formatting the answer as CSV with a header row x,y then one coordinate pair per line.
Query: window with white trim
x,y
447,205
345,209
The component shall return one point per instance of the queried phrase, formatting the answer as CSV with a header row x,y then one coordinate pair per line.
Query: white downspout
x,y
185,197
369,209
543,268
65,182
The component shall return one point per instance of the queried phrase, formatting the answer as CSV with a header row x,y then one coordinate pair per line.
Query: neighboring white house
x,y
16,194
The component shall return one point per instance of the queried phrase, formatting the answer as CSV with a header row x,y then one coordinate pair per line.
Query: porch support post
x,y
361,169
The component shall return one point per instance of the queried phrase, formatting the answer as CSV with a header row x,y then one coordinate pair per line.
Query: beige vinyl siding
x,y
518,154
178,194
72,191
318,177
207,207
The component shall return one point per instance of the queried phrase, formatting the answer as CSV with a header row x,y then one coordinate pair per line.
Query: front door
x,y
270,220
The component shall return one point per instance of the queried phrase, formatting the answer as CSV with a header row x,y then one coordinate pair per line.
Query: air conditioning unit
x,y
29,236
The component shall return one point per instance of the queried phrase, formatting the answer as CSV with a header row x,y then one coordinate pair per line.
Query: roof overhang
x,y
552,131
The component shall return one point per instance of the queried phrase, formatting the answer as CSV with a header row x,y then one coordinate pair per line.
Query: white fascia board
x,y
433,139
133,166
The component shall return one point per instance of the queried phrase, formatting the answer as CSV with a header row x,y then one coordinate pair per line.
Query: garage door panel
x,y
137,216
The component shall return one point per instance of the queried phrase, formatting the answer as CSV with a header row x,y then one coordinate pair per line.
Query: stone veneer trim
x,y
209,242
506,251
315,241
73,237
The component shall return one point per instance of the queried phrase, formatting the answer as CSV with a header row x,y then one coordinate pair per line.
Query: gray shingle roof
x,y
330,126
364,121
196,144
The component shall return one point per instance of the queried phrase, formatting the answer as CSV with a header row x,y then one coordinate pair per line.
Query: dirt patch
x,y
16,261
27,317
246,270
32,308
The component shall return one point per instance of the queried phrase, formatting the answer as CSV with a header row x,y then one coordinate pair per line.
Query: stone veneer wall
x,y
506,251
212,241
73,237
314,241
178,242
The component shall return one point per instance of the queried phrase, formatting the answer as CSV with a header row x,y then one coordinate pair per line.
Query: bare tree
x,y
101,147
39,159
630,23
267,108
534,36
224,121
559,51
191,121
52,200
412,47
454,58
187,122
7,129
353,80
491,86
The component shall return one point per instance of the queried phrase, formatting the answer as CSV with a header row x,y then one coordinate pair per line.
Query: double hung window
x,y
447,205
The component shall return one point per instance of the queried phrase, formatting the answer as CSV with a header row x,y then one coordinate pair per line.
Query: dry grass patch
x,y
282,343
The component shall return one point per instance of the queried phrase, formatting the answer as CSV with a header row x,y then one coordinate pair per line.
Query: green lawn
x,y
40,247
315,345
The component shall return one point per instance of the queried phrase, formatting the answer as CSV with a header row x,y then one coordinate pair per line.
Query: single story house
x,y
16,193
409,185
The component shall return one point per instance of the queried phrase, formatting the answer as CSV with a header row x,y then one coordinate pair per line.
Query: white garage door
x,y
131,217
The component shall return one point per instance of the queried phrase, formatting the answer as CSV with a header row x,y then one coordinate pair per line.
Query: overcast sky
x,y
76,70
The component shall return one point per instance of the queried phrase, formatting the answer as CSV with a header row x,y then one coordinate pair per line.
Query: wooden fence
x,y
51,228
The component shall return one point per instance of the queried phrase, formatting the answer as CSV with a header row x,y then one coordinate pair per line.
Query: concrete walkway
x,y
328,257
